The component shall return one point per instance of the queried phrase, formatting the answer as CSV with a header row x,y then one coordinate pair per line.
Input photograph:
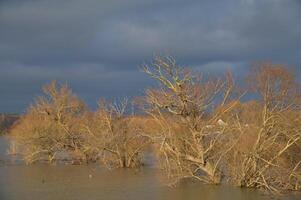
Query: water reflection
x,y
56,182
91,182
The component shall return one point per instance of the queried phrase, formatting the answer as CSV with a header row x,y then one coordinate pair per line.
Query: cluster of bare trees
x,y
60,126
199,126
207,133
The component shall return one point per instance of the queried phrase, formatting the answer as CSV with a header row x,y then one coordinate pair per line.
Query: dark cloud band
x,y
98,45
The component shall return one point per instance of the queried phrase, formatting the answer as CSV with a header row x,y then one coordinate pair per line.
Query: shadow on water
x,y
91,182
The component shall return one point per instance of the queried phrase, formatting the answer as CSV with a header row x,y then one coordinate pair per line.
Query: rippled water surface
x,y
90,182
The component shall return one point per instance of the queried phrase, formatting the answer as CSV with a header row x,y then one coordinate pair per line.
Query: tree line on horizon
x,y
6,121
196,125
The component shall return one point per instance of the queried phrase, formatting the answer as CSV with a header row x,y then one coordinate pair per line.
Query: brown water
x,y
90,182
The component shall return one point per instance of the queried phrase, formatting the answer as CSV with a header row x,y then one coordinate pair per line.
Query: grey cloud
x,y
90,81
97,46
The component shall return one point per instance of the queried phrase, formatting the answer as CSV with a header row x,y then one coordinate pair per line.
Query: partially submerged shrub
x,y
49,127
268,154
118,138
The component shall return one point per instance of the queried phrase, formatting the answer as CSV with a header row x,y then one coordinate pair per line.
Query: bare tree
x,y
188,108
116,136
49,127
268,155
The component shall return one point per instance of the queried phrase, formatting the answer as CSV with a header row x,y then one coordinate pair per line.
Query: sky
x,y
97,46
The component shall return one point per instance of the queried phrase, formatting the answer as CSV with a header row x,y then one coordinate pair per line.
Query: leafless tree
x,y
188,108
268,154
116,136
49,127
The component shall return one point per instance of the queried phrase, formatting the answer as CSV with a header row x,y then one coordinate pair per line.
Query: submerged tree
x,y
118,138
193,138
50,126
268,154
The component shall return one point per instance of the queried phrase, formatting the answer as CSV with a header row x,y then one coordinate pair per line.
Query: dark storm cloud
x,y
96,46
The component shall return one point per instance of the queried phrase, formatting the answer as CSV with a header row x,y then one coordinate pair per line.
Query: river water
x,y
91,182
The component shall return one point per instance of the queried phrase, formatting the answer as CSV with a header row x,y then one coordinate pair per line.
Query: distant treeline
x,y
197,126
6,121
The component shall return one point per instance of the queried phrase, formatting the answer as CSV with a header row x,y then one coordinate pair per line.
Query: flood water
x,y
91,182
